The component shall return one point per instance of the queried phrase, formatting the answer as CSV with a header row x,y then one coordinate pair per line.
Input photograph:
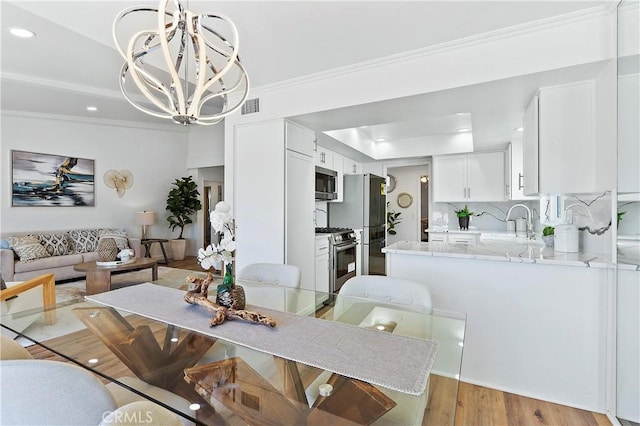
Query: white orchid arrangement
x,y
222,222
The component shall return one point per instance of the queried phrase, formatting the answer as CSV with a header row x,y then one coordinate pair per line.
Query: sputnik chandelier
x,y
182,65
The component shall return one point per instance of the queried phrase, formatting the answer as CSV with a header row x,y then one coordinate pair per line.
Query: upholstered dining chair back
x,y
36,392
43,392
271,273
412,294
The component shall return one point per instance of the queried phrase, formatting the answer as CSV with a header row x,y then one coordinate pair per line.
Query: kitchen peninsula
x,y
536,318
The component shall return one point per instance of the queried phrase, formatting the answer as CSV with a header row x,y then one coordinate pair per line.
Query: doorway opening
x,y
212,195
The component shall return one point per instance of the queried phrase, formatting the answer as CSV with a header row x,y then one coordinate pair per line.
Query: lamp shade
x,y
145,218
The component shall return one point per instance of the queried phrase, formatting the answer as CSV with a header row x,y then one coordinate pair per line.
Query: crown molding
x,y
58,84
99,121
477,39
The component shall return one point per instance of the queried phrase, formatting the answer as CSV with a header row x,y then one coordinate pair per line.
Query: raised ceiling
x,y
72,62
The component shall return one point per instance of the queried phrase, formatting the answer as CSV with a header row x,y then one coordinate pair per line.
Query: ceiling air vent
x,y
251,106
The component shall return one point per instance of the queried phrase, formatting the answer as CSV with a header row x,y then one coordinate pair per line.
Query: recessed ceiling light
x,y
519,129
461,113
464,129
380,139
22,33
92,108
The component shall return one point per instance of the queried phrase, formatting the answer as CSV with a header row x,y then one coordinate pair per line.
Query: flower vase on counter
x,y
228,293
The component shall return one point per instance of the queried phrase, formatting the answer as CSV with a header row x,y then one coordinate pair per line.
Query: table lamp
x,y
145,219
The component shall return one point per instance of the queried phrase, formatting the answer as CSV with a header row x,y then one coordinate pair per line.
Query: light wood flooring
x,y
484,406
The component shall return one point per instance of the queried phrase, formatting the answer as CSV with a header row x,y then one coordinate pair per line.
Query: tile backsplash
x,y
591,212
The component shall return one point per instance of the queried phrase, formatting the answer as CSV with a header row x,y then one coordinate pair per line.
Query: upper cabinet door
x,y
560,151
486,176
324,158
300,139
351,167
628,133
450,178
530,148
566,139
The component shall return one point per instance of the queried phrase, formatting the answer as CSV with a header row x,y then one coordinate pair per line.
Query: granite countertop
x,y
501,250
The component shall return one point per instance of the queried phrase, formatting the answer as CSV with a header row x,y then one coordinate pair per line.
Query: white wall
x,y
155,157
206,146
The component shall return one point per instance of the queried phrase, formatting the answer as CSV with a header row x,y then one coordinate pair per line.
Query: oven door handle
x,y
345,247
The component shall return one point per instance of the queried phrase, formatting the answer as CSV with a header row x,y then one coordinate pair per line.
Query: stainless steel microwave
x,y
326,184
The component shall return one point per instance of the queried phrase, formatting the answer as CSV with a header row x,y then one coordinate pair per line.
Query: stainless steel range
x,y
342,256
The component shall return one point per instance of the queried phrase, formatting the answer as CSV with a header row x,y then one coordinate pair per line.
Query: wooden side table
x,y
147,247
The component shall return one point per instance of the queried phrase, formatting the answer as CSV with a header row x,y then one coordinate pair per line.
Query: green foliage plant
x,y
393,218
548,230
463,212
182,203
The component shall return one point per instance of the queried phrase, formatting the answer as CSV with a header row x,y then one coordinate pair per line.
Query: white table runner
x,y
395,362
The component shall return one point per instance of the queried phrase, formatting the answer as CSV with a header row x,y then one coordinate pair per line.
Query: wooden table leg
x,y
154,272
99,281
164,253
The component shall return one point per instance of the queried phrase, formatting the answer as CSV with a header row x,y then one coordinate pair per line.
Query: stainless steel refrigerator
x,y
364,208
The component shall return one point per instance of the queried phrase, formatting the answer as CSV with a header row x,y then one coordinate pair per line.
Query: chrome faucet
x,y
530,234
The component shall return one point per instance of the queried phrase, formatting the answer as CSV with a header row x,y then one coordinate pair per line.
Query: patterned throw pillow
x,y
55,244
28,247
83,240
119,235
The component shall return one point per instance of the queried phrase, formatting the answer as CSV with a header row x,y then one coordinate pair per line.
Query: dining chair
x,y
271,273
67,394
411,294
283,298
390,291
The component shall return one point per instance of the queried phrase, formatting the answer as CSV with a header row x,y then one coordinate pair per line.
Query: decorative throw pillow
x,y
4,244
83,240
119,235
28,248
55,244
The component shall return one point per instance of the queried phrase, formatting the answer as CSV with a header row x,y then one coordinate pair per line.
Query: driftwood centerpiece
x,y
199,296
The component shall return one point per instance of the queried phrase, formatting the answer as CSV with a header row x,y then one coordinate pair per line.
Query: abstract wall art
x,y
46,180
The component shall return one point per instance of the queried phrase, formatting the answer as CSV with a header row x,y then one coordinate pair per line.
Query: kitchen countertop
x,y
503,250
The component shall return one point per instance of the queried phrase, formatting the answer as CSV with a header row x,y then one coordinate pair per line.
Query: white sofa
x,y
81,246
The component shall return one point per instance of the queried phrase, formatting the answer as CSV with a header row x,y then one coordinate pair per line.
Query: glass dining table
x,y
313,367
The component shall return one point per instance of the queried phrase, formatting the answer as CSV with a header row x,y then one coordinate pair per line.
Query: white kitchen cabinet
x,y
454,237
324,157
628,133
478,176
299,212
322,269
274,197
351,167
338,167
300,139
560,140
516,169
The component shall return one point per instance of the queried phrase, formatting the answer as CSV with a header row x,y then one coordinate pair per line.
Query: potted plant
x,y
547,235
619,218
463,217
393,218
182,203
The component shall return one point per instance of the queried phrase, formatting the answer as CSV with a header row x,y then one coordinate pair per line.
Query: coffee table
x,y
99,277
